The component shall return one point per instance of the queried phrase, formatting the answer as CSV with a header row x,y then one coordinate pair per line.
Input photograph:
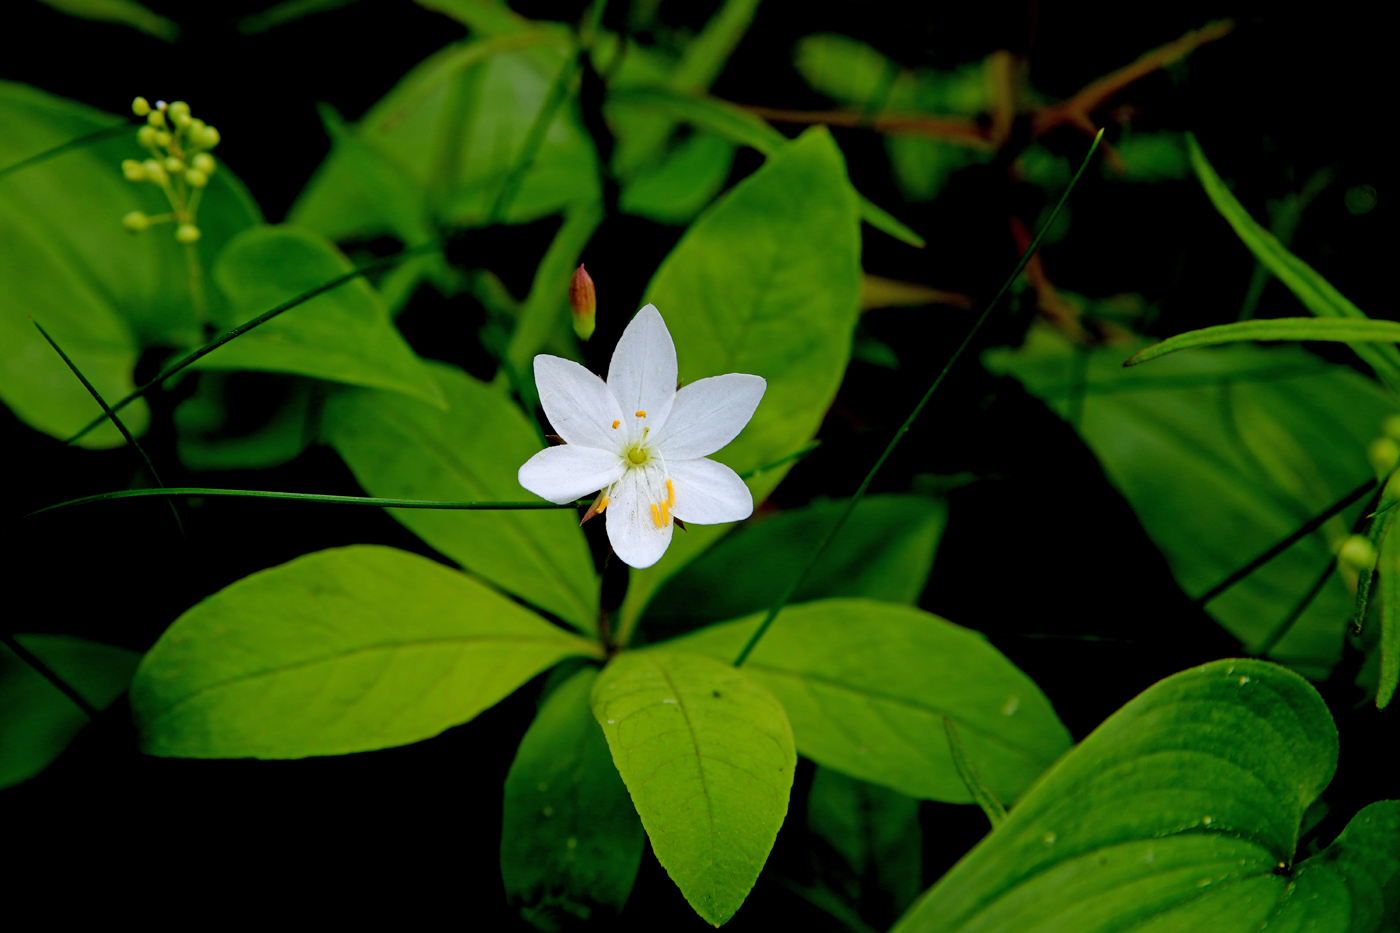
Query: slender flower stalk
x,y
641,442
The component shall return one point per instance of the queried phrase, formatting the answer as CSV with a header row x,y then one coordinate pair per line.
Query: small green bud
x,y
162,138
146,136
1357,553
204,162
156,118
178,109
197,125
196,179
181,120
205,138
584,302
154,171
133,170
174,166
187,233
1383,453
140,106
136,221
1391,427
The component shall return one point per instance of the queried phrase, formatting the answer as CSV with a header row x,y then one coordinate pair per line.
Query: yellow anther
x,y
670,493
641,414
656,516
602,503
665,514
615,424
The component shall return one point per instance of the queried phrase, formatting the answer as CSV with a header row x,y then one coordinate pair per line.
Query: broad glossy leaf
x,y
876,832
339,651
37,721
767,282
866,686
884,551
707,755
343,335
399,447
66,260
1174,816
454,127
1284,328
1316,293
1223,453
571,841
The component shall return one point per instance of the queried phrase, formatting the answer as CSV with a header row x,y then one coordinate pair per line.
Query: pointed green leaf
x,y
1286,328
66,260
707,756
37,721
866,686
338,651
1174,815
401,448
571,842
126,12
343,335
1316,293
1222,453
885,552
767,282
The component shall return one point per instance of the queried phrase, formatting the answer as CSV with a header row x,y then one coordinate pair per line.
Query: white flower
x,y
642,442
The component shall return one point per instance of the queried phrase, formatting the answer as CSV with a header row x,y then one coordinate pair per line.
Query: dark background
x,y
1040,545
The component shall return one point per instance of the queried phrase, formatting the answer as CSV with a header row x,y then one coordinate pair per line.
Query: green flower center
x,y
638,455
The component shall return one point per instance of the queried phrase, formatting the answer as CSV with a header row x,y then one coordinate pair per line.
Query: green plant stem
x,y
87,140
980,792
796,455
301,497
241,329
43,670
130,438
1307,528
796,581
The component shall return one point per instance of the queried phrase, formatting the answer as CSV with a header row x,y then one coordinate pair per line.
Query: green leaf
x,y
1315,292
707,755
126,12
1284,328
842,68
684,181
866,686
1222,453
36,720
1174,816
246,421
402,448
884,552
1153,157
767,282
453,128
66,260
344,335
876,832
571,842
1388,569
338,651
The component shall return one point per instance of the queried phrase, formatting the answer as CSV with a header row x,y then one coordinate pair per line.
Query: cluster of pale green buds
x,y
178,164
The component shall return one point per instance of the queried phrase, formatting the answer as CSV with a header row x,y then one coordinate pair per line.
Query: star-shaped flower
x,y
642,442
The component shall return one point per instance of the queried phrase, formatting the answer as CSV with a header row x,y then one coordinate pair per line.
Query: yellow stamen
x,y
641,414
656,516
602,504
670,493
615,424
665,514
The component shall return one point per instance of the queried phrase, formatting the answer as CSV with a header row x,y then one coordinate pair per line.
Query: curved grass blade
x,y
980,792
909,421
385,263
1316,293
130,439
299,497
88,139
1339,330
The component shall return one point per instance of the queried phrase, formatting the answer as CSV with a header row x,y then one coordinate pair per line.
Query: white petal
x,y
642,374
563,474
579,405
708,493
632,529
708,414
